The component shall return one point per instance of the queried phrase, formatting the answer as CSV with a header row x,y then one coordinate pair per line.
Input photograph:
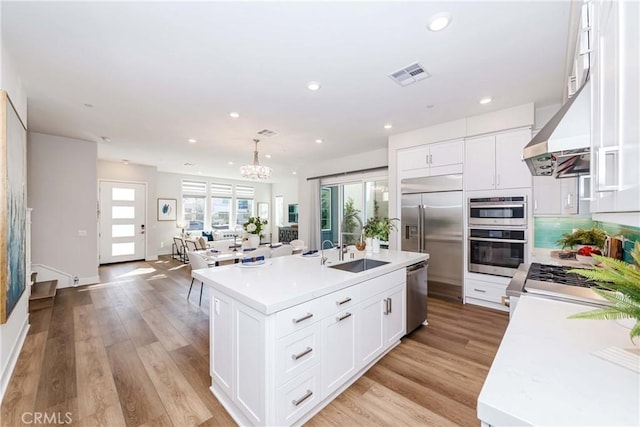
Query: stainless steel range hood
x,y
561,148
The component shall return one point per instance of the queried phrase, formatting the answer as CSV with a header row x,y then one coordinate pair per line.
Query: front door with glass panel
x,y
122,221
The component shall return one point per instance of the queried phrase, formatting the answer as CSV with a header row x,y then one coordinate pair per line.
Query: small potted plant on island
x,y
377,229
620,285
254,226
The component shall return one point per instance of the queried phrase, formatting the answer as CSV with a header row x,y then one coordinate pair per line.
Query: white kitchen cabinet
x,y
495,161
381,323
277,369
486,294
553,196
615,128
439,158
339,350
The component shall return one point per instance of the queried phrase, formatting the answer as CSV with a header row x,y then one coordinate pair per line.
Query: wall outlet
x,y
76,280
161,244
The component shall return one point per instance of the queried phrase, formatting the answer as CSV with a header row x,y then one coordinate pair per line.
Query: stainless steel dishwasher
x,y
416,295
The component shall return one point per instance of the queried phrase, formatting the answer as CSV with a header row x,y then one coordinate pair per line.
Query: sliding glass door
x,y
355,202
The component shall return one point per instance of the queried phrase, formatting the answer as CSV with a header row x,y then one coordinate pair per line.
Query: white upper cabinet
x,y
615,112
553,196
495,161
440,158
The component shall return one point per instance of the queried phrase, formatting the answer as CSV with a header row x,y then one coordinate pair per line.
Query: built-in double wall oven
x,y
497,234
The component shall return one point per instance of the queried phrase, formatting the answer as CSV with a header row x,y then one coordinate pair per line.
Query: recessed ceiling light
x,y
319,141
485,100
268,156
295,173
192,141
125,162
314,86
229,163
234,115
439,21
388,126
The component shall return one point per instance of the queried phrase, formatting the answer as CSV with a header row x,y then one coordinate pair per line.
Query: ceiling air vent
x,y
189,164
267,132
409,74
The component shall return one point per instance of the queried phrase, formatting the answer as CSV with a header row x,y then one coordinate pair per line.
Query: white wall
x,y
369,159
12,333
169,185
62,192
117,171
288,189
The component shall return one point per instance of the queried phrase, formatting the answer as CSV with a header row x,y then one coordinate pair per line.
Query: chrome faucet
x,y
323,259
342,247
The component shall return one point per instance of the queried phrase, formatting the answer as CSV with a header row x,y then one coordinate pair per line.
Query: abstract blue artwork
x,y
167,210
13,209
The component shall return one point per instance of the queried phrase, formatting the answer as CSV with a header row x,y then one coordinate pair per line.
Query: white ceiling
x,y
158,74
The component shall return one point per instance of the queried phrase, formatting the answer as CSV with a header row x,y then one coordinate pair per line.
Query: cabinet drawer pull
x,y
340,318
344,301
479,290
307,395
303,353
305,317
386,306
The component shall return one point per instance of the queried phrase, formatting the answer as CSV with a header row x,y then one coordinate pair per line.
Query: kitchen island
x,y
550,370
288,336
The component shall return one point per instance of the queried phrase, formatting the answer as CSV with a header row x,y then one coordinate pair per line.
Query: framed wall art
x,y
13,207
167,210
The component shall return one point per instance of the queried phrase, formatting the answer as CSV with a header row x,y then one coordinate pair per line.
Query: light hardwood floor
x,y
133,351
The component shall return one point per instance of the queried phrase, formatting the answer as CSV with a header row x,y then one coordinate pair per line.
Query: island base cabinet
x,y
395,315
371,329
298,396
221,333
339,350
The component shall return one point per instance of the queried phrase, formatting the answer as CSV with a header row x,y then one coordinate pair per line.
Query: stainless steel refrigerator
x,y
432,222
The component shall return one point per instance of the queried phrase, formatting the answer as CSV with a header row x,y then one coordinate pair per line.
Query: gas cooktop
x,y
553,281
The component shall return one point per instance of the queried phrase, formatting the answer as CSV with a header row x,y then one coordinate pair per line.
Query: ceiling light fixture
x,y
439,21
268,156
388,126
192,141
485,100
319,141
230,163
256,170
234,115
125,162
295,173
314,86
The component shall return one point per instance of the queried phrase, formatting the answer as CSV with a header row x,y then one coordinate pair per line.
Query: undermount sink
x,y
359,265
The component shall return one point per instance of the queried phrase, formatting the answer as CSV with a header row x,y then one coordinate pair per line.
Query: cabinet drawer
x,y
341,300
298,317
294,399
297,352
382,283
484,290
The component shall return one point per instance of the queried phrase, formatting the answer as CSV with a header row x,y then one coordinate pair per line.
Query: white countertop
x,y
545,373
543,256
289,280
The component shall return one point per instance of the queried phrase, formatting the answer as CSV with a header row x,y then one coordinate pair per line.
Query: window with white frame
x,y
194,196
221,195
244,203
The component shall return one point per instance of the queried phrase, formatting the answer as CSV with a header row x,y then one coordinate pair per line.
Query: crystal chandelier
x,y
255,171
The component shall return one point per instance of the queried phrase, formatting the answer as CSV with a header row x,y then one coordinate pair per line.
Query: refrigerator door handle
x,y
421,228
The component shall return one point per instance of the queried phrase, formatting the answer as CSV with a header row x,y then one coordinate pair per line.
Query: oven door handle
x,y
473,206
480,239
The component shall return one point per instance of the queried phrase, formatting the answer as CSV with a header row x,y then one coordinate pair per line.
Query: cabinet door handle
x,y
305,317
498,179
307,395
302,353
344,301
390,305
426,158
386,306
430,159
340,318
482,291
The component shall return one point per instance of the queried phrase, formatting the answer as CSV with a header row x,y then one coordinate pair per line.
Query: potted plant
x,y
254,226
593,237
620,285
377,229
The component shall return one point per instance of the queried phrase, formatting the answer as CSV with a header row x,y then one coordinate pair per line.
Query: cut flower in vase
x,y
254,225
